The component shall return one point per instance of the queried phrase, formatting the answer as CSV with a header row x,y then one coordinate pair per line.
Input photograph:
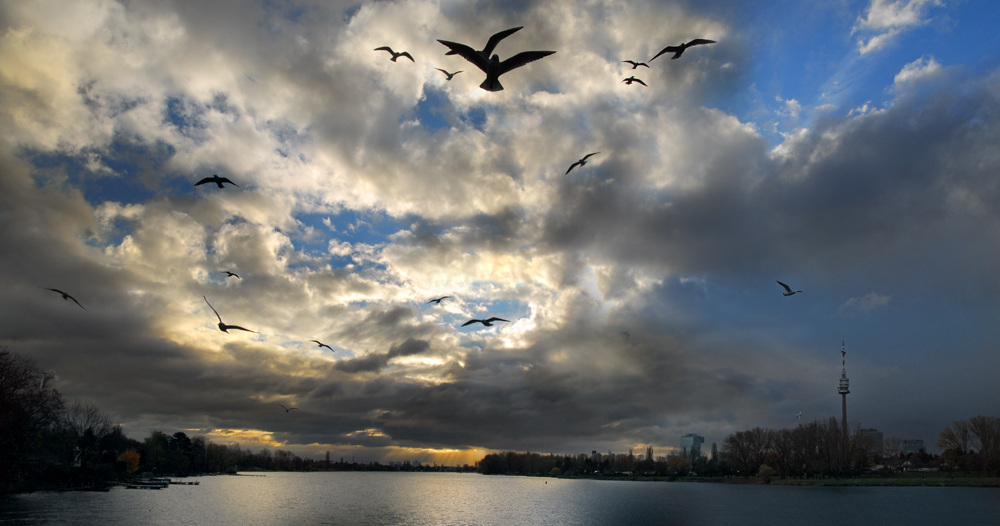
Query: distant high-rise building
x,y
691,446
876,437
843,388
912,446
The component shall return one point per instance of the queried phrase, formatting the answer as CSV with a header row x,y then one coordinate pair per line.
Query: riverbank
x,y
904,479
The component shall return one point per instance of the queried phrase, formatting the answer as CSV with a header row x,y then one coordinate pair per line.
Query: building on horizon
x,y
691,446
913,446
876,437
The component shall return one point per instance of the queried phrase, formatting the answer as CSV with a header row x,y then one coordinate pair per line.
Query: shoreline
x,y
958,482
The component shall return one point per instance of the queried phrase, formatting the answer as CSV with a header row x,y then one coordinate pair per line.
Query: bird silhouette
x,y
66,297
630,80
679,50
438,300
580,163
222,326
487,323
287,409
788,290
321,344
231,274
492,66
449,75
49,375
636,64
394,54
215,179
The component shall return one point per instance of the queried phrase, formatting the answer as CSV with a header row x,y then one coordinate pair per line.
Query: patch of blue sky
x,y
123,185
476,116
434,110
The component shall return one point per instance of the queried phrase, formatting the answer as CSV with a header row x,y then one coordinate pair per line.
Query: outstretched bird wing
x,y
493,319
588,156
639,81
495,39
407,55
74,301
574,165
521,59
467,53
238,327
668,49
787,288
470,322
213,310
385,48
205,180
698,41
224,180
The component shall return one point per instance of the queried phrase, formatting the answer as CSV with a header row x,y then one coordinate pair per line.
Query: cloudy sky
x,y
846,147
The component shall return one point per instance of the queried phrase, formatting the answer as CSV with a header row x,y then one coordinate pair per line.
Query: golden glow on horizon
x,y
249,437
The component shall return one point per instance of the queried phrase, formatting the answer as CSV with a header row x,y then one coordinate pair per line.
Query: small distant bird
x,y
215,179
321,344
626,334
66,297
438,300
580,163
487,323
396,55
636,64
788,290
679,50
492,66
49,375
630,80
449,75
287,409
798,415
222,326
231,274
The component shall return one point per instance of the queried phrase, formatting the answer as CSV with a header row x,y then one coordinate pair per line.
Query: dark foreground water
x,y
469,499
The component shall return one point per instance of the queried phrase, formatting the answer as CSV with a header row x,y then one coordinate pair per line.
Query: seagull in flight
x,y
287,409
679,50
580,163
66,297
396,55
630,80
487,323
321,344
49,375
788,290
492,66
798,415
215,179
636,64
438,300
231,274
449,75
222,326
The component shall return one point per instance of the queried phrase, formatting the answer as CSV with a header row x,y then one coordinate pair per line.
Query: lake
x,y
357,498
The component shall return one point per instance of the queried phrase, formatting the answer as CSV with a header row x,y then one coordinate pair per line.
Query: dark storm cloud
x,y
375,362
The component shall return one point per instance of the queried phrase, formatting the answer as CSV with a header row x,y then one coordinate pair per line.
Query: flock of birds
x,y
493,67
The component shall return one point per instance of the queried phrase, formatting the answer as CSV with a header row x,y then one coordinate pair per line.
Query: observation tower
x,y
843,389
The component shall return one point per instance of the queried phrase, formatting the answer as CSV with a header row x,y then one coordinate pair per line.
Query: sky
x,y
847,148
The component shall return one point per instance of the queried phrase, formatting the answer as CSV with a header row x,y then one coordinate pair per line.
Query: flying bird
x,y
438,300
636,64
492,66
798,416
679,50
215,179
449,75
394,54
287,409
321,344
49,375
487,323
222,326
66,297
788,290
231,274
630,80
580,163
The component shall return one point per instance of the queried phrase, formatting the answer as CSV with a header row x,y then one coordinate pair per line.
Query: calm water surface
x,y
470,499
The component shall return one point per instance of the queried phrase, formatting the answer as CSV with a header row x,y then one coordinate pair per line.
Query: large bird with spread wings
x,y
491,65
679,50
223,326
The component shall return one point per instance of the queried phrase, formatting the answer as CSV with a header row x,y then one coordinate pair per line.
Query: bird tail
x,y
491,85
